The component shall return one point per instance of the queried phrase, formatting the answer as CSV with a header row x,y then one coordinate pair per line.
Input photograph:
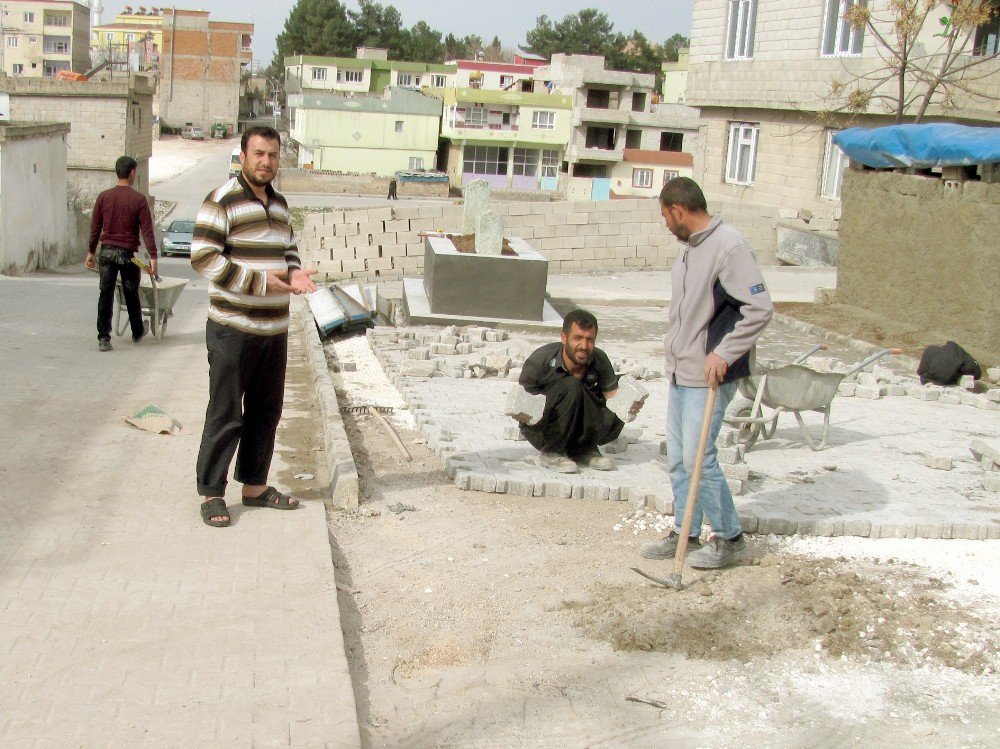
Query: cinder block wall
x,y
574,236
914,249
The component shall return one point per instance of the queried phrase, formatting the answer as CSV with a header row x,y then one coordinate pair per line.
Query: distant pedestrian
x,y
120,214
392,189
243,243
718,309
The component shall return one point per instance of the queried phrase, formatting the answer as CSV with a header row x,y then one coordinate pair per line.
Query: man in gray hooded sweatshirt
x,y
718,308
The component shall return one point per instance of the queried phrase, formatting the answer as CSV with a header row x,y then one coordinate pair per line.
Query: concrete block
x,y
967,381
443,349
498,364
495,336
597,491
867,378
418,354
630,397
982,449
615,447
558,489
938,462
524,407
861,528
727,437
925,393
847,389
950,397
418,368
993,394
730,455
991,483
895,390
464,348
993,374
631,435
873,392
740,471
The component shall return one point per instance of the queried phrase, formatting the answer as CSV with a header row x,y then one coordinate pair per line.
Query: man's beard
x,y
569,353
256,182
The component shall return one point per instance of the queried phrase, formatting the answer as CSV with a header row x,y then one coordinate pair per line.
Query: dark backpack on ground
x,y
943,365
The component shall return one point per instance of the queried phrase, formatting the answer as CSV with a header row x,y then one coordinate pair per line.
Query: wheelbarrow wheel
x,y
746,433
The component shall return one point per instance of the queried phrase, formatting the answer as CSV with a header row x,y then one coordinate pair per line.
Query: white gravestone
x,y
477,202
489,234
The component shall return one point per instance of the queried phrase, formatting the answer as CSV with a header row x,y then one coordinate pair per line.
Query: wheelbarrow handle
x,y
874,357
810,352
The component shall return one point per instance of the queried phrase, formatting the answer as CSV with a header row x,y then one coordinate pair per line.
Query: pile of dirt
x,y
786,603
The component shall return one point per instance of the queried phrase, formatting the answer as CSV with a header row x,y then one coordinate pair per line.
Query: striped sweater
x,y
237,239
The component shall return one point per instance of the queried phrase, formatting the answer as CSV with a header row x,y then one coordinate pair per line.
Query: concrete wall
x,y
308,181
34,223
913,248
108,119
573,236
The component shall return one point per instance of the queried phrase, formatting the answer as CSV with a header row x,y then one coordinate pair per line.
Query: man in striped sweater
x,y
244,245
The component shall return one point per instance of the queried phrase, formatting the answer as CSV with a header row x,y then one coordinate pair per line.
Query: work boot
x,y
666,547
594,459
104,344
557,463
719,553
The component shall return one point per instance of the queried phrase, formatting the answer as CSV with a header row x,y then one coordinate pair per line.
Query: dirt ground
x,y
864,325
484,620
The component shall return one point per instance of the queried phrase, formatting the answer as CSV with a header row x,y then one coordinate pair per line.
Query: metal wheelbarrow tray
x,y
791,387
156,297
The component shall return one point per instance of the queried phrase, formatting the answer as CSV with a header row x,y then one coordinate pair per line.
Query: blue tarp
x,y
920,146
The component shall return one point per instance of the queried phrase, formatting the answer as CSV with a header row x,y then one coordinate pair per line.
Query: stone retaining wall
x,y
308,181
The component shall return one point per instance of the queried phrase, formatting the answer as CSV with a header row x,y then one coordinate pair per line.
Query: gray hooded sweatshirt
x,y
719,304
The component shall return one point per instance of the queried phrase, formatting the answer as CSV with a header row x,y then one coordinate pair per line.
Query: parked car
x,y
235,165
192,132
177,237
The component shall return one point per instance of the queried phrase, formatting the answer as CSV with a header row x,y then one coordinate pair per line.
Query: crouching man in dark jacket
x,y
577,380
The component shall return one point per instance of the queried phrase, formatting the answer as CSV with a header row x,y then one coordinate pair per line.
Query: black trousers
x,y
130,275
246,389
574,422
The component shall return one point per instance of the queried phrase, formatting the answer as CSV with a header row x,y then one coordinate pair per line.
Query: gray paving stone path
x,y
125,621
874,479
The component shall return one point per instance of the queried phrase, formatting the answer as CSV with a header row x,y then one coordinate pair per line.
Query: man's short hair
x,y
684,191
125,166
268,133
581,318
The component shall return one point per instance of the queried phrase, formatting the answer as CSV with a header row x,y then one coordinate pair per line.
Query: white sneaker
x,y
557,463
718,553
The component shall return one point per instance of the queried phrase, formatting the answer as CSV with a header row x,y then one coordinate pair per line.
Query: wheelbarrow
x,y
157,297
791,387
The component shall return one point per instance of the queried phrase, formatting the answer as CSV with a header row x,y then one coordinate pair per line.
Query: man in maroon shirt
x,y
119,215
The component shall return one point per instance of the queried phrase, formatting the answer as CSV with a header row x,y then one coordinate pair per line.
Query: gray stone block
x,y
418,354
967,381
596,491
829,527
450,340
982,449
736,487
847,389
414,368
739,471
631,435
991,482
558,489
495,336
513,433
524,407
615,447
867,378
895,390
464,348
928,530
857,528
730,455
950,397
498,364
925,393
748,522
872,392
993,374
993,394
443,349
631,395
938,462
727,438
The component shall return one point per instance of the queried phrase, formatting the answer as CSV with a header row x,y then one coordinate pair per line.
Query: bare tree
x,y
910,78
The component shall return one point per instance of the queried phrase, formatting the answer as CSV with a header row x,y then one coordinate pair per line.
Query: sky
x,y
657,20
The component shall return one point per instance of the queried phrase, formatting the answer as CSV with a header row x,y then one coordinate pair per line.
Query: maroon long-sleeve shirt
x,y
119,215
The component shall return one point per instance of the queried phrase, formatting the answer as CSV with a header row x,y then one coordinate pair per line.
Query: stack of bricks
x,y
987,454
386,242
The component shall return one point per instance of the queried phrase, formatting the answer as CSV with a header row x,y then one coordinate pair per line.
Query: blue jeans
x,y
685,411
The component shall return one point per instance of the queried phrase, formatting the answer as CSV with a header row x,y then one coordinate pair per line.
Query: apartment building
x,y
370,72
513,140
760,71
40,39
200,68
394,131
495,76
613,111
132,38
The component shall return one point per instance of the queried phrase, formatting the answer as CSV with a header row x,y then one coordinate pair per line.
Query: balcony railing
x,y
484,126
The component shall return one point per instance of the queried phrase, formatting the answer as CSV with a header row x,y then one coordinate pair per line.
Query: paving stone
x,y
631,435
857,528
495,336
663,448
523,406
777,526
928,530
740,471
727,438
558,489
730,455
895,390
829,527
630,396
993,374
464,348
615,447
418,353
967,381
991,482
938,462
748,522
873,392
866,378
499,364
414,368
449,340
993,394
950,397
847,389
513,433
925,393
883,374
972,399
444,349
982,449
596,491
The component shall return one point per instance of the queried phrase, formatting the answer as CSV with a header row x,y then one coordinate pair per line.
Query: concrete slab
x,y
419,311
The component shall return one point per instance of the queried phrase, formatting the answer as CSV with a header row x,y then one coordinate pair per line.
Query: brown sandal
x,y
215,508
272,498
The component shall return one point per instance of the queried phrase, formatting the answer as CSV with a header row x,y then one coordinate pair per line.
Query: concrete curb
x,y
828,335
343,472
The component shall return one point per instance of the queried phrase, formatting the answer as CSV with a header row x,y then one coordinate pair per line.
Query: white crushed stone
x,y
368,385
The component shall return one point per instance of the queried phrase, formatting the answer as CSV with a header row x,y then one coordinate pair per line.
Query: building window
x,y
525,162
633,139
17,68
54,20
485,160
475,116
671,141
130,38
29,17
987,39
741,158
11,41
438,81
550,163
598,98
543,120
319,74
49,70
404,79
638,102
506,80
834,162
669,174
742,18
642,178
109,36
840,37
416,163
354,76
399,126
